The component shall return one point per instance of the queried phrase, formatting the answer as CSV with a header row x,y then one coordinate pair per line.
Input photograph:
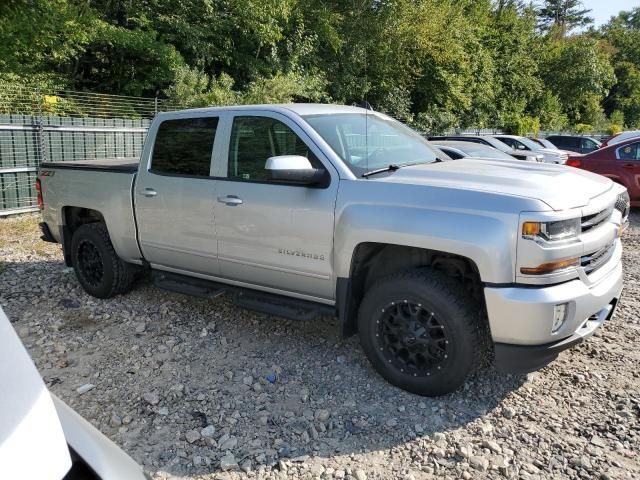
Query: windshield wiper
x,y
393,167
389,168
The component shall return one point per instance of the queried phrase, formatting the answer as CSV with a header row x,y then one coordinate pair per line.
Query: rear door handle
x,y
628,165
149,192
230,200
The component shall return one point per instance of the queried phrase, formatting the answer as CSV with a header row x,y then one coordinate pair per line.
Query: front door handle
x,y
149,192
230,200
629,166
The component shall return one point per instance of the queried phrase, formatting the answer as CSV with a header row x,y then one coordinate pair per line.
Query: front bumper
x,y
521,318
527,358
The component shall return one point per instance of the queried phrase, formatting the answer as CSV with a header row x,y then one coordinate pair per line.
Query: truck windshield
x,y
367,142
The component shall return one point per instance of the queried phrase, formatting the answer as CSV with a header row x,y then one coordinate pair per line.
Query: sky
x,y
603,10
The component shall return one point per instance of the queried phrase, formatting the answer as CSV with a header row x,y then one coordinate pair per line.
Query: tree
x,y
562,16
623,34
578,71
436,64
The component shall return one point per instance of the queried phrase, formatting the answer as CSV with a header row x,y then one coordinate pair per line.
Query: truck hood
x,y
558,186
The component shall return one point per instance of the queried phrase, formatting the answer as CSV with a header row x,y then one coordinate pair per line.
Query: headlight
x,y
551,231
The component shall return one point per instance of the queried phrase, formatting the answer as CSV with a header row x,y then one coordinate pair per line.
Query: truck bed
x,y
124,165
105,186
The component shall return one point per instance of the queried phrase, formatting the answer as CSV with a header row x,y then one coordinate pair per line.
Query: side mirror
x,y
293,168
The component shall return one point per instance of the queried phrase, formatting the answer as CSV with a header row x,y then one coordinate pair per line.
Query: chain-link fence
x,y
56,125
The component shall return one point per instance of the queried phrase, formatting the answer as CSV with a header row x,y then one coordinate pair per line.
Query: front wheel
x,y
99,269
421,331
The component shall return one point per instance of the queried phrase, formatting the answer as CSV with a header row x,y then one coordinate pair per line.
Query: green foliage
x,y
436,121
583,128
623,34
616,124
522,125
548,108
577,70
436,64
195,88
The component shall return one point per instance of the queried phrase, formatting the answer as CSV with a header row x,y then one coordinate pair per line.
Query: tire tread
x,y
471,312
124,273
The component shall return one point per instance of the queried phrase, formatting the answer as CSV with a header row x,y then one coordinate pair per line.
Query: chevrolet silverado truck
x,y
305,211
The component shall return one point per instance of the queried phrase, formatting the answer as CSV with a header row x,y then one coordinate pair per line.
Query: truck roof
x,y
299,108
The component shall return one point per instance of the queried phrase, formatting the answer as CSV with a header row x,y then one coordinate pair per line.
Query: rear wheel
x,y
99,269
421,331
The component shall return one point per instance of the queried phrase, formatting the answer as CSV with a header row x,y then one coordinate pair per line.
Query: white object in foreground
x,y
32,443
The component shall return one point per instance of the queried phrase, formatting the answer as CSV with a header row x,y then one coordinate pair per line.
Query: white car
x,y
551,155
43,438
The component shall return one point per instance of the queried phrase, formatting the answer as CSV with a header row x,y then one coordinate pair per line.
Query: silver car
x,y
457,150
551,155
490,141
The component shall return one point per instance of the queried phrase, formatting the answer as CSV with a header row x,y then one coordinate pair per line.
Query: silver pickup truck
x,y
308,210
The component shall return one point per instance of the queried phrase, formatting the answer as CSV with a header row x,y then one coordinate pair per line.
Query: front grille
x,y
623,205
589,222
595,260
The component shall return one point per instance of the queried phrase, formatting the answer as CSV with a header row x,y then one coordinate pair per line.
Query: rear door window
x,y
629,152
184,147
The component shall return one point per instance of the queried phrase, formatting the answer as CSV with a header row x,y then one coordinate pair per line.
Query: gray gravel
x,y
202,389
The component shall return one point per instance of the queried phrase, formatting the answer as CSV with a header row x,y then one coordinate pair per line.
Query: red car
x,y
620,162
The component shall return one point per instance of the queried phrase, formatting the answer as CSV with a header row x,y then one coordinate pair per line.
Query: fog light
x,y
559,316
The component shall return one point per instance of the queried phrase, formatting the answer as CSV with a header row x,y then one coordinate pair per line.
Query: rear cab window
x,y
184,147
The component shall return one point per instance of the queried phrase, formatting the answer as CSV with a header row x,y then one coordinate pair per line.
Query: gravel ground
x,y
202,389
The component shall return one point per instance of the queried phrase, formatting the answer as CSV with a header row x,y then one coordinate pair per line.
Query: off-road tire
x,y
116,276
444,299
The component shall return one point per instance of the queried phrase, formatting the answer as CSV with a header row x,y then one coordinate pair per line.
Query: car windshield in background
x,y
367,142
500,145
530,143
546,143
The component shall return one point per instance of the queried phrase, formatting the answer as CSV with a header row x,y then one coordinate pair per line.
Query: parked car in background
x,y
621,137
551,155
575,143
457,150
41,437
492,142
619,162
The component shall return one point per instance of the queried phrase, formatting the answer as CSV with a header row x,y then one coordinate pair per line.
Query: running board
x,y
187,285
269,303
281,306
